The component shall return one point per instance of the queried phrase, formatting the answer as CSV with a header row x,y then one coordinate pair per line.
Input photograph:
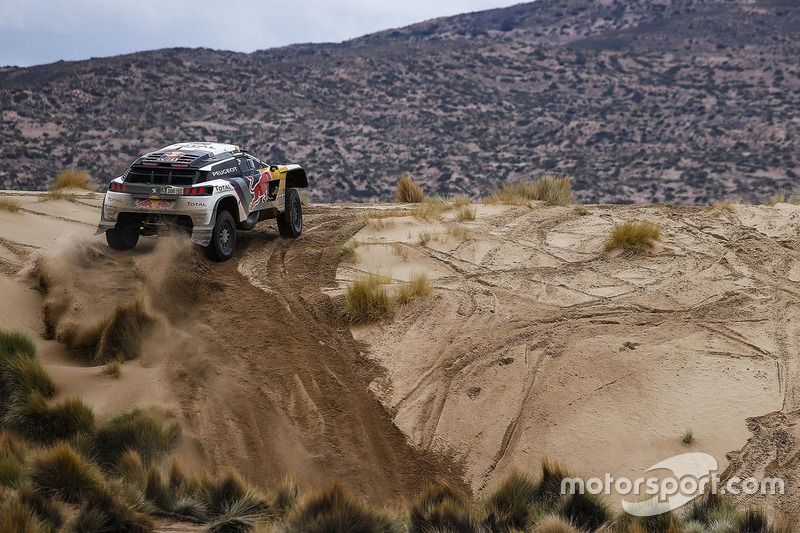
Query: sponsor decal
x,y
154,203
170,157
259,188
223,188
112,200
224,171
196,204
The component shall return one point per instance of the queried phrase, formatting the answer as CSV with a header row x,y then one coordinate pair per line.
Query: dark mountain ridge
x,y
688,101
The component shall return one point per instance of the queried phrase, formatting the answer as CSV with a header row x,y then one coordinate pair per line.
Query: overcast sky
x,y
43,31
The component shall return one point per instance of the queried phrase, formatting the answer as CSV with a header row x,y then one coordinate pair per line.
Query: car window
x,y
243,165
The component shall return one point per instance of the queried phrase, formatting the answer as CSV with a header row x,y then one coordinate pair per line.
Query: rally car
x,y
210,189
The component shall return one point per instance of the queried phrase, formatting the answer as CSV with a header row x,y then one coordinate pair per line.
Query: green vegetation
x,y
688,437
368,301
418,285
74,179
141,430
633,236
331,510
409,191
10,204
113,368
61,473
441,508
550,188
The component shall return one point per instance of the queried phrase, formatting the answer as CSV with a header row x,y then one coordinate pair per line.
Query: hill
x,y
687,101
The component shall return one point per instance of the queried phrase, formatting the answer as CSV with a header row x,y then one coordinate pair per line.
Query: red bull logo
x,y
154,203
259,188
170,157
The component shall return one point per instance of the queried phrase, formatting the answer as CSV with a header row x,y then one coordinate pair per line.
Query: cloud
x,y
43,31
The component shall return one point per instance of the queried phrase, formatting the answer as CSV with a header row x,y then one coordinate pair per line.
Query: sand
x,y
536,341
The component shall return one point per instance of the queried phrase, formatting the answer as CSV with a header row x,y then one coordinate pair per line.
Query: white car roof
x,y
212,148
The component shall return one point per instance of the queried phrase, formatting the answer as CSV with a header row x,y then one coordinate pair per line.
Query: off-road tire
x,y
290,222
122,238
223,238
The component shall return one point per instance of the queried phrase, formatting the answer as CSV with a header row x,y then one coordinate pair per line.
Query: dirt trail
x,y
263,378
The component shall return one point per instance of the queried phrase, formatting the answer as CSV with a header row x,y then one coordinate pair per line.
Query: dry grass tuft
x,y
75,179
10,204
550,188
400,250
461,200
425,237
419,285
107,510
466,213
409,191
58,194
441,508
141,430
334,510
348,252
633,236
61,473
114,368
688,437
511,506
368,301
117,337
431,208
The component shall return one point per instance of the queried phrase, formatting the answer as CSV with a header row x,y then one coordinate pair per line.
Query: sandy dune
x,y
536,342
539,343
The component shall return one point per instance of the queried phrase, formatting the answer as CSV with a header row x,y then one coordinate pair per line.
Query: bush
x,y
74,178
44,509
21,375
548,489
131,469
586,511
633,236
466,212
113,368
418,285
367,301
106,511
12,342
63,474
441,508
512,505
550,188
330,511
11,473
408,191
10,204
554,524
115,338
285,497
17,517
157,491
34,418
140,430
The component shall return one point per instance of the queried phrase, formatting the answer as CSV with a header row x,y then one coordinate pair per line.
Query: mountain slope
x,y
686,101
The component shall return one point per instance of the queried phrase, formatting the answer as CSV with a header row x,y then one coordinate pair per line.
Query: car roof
x,y
195,147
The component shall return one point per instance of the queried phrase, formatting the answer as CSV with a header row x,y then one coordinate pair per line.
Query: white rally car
x,y
209,188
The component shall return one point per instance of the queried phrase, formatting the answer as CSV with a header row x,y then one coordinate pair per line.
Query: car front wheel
x,y
223,238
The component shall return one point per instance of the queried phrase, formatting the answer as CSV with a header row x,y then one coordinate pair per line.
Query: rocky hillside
x,y
685,101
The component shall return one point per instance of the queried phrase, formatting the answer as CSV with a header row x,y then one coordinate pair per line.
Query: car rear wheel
x,y
290,222
223,238
122,238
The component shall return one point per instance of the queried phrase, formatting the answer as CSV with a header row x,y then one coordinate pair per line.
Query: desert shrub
x,y
11,472
17,517
348,253
688,437
409,191
461,200
131,469
586,511
285,496
74,178
466,212
367,301
12,342
141,430
83,344
34,418
44,509
61,473
158,491
177,477
550,188
431,208
123,336
332,510
753,521
238,516
659,523
12,445
58,194
190,508
441,508
554,524
113,368
704,508
418,285
512,505
10,204
21,375
633,236
106,511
